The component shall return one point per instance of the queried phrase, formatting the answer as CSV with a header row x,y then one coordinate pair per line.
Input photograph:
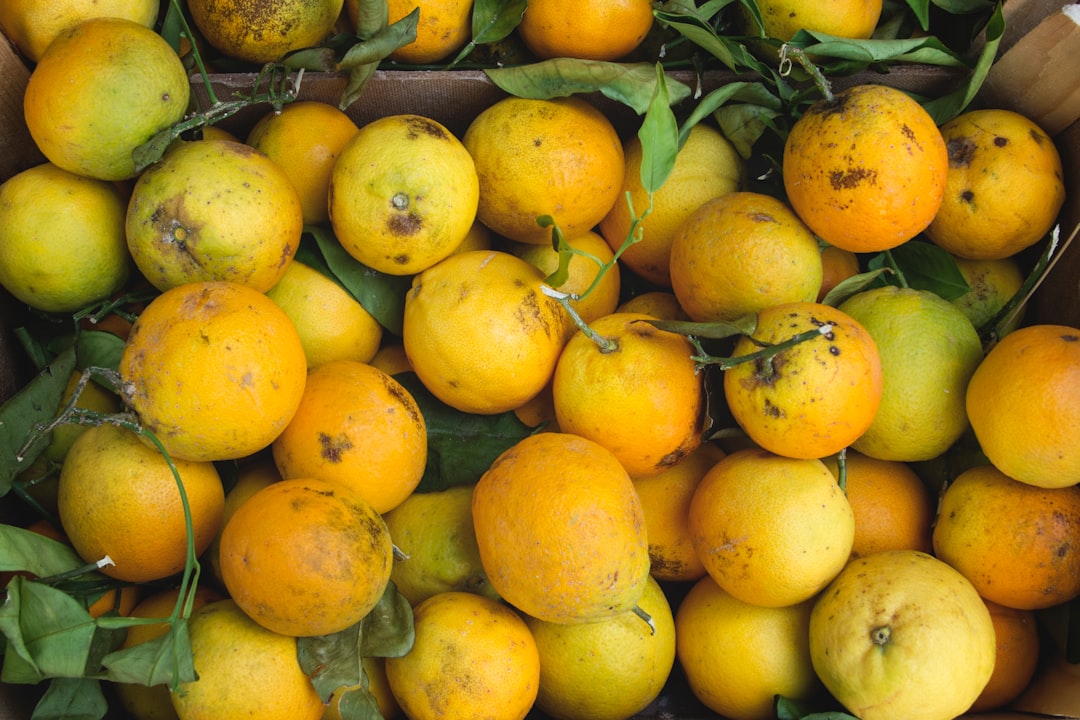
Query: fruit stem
x,y
767,352
646,617
801,57
606,345
891,262
195,54
841,469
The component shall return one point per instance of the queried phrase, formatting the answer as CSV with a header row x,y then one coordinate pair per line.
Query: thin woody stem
x,y
767,351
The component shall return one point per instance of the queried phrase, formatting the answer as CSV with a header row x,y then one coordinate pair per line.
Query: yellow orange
x,y
1017,659
599,30
32,26
264,30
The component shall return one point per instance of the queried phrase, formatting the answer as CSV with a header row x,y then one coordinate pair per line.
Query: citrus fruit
x,y
561,158
332,324
836,265
902,634
360,427
1017,659
928,350
886,184
118,497
264,31
1015,542
706,166
1022,403
391,358
434,531
855,19
1005,185
242,665
252,474
403,194
665,498
560,529
214,210
771,530
597,30
740,253
378,687
32,25
893,507
64,245
305,139
812,399
640,394
605,670
442,27
480,333
993,283
103,88
472,657
661,304
215,370
738,657
345,548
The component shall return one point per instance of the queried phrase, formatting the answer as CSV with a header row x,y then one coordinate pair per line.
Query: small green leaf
x,y
32,552
926,50
95,348
493,20
659,136
357,703
72,699
949,106
331,661
49,633
154,662
371,17
387,631
921,10
922,266
374,49
708,330
849,286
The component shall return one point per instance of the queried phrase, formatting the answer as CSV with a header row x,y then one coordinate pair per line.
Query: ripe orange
x,y
595,30
1015,542
1017,659
479,332
993,283
443,27
707,165
472,657
642,397
403,194
837,265
843,18
740,253
252,475
1024,404
214,210
661,304
102,89
359,427
264,31
560,529
345,549
814,398
902,634
886,184
665,499
118,497
771,530
560,157
893,507
305,139
1005,185
33,25
391,358
216,370
738,657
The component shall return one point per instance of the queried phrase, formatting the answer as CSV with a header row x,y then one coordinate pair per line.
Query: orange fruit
x,y
344,544
442,28
332,324
305,139
610,669
480,333
928,350
359,427
32,25
403,194
118,497
893,507
560,157
1023,405
740,253
993,283
261,32
1017,658
886,184
837,265
472,657
902,634
661,304
242,665
1015,542
594,30
391,358
855,19
640,396
214,210
64,247
814,398
1005,185
738,657
771,530
560,529
101,89
215,370
707,165
665,499
252,475
539,412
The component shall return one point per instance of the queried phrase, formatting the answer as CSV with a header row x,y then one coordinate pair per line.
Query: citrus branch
x,y
768,350
606,344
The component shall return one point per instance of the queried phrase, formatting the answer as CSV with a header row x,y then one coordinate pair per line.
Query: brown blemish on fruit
x,y
405,399
176,235
851,178
332,448
1000,141
417,126
404,220
967,196
1070,338
761,217
961,151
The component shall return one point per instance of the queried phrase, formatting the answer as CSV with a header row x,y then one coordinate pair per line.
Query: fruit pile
x,y
547,418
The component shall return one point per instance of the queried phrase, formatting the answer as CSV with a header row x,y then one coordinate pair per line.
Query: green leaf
x,y
387,631
371,17
926,50
357,703
95,348
154,662
921,10
37,402
72,699
709,330
632,84
461,446
949,106
849,286
49,633
923,266
493,20
331,661
659,136
695,25
963,7
32,552
374,49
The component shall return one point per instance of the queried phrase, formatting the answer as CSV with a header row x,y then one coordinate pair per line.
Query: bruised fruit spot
x,y
961,151
332,448
1070,338
1037,136
418,126
967,196
851,178
1000,141
762,217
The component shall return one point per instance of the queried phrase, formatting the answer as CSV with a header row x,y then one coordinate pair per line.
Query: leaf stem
x,y
768,350
606,345
823,84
